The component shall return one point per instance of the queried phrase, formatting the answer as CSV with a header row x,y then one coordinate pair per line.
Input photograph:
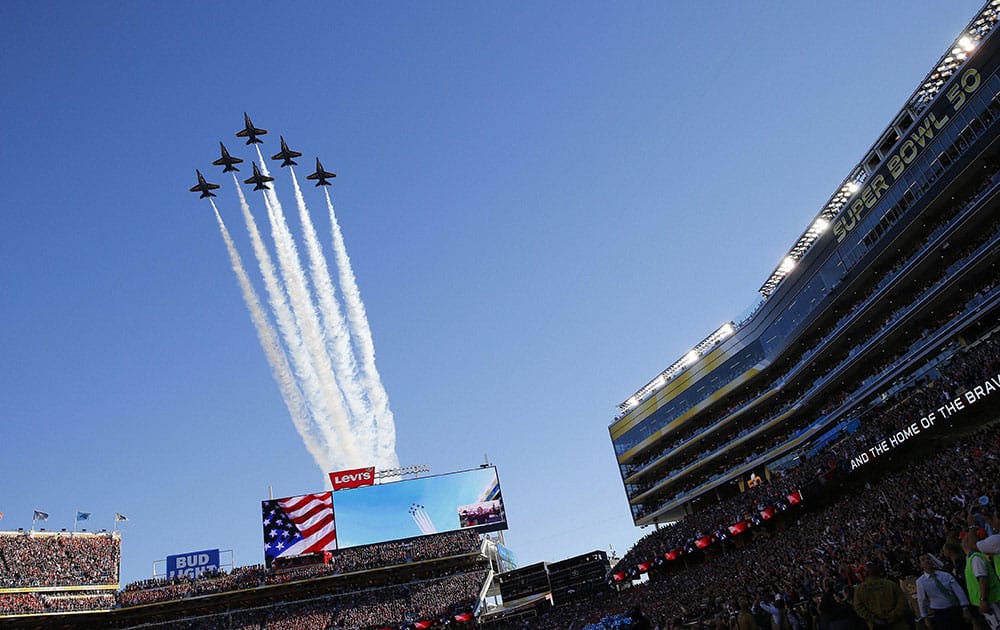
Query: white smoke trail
x,y
290,333
421,518
362,335
337,421
335,327
273,351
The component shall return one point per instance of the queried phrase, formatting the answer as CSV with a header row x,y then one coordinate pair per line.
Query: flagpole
x,y
74,520
33,514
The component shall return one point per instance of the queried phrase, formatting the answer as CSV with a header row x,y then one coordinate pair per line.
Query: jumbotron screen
x,y
296,526
470,499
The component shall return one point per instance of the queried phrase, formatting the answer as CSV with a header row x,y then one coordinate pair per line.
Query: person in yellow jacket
x,y
880,602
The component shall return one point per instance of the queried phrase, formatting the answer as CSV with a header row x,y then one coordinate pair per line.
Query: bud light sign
x,y
193,564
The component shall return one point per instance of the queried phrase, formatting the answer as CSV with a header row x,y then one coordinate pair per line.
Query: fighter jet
x,y
258,179
227,160
204,187
321,175
250,132
286,154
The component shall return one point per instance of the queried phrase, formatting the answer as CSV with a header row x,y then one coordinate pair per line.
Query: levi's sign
x,y
354,478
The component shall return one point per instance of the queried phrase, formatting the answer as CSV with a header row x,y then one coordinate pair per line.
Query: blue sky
x,y
545,206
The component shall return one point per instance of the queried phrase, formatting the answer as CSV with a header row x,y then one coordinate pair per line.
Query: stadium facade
x,y
896,274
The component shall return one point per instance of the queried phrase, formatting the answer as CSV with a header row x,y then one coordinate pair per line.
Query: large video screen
x,y
294,526
469,499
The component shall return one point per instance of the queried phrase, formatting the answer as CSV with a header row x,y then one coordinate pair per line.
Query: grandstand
x,y
56,572
892,282
428,580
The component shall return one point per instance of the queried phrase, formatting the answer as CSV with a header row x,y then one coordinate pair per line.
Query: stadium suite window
x,y
684,401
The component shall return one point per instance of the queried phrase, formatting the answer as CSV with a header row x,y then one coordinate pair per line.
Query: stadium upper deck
x,y
896,270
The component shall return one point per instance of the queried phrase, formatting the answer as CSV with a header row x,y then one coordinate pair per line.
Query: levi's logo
x,y
353,478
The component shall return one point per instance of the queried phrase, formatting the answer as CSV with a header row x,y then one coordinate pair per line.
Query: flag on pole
x,y
40,516
82,516
1,516
120,517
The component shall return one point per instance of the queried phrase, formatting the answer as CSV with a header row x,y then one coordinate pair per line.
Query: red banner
x,y
354,478
704,541
738,528
795,498
767,513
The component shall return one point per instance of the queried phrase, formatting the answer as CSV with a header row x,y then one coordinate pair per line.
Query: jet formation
x,y
259,180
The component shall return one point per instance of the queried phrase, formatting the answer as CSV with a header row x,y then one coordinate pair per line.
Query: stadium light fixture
x,y
787,264
676,367
820,225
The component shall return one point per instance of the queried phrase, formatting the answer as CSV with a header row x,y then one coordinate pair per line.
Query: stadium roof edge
x,y
954,58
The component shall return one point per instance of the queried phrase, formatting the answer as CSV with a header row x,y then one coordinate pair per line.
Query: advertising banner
x,y
354,478
192,564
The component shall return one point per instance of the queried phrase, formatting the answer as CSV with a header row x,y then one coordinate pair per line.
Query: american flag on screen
x,y
298,525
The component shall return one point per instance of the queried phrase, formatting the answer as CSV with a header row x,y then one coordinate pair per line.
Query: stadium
x,y
845,422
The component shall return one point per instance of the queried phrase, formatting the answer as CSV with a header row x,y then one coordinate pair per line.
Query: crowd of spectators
x,y
878,423
39,560
442,600
47,559
816,560
813,560
34,602
428,600
349,560
21,603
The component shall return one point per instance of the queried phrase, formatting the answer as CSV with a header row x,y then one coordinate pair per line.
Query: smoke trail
x,y
290,332
423,521
335,327
305,314
384,421
276,357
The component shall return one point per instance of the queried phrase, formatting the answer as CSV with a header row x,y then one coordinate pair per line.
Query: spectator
x,y
879,601
943,603
981,581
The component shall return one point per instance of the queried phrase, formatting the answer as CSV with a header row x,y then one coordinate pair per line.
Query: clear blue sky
x,y
545,203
